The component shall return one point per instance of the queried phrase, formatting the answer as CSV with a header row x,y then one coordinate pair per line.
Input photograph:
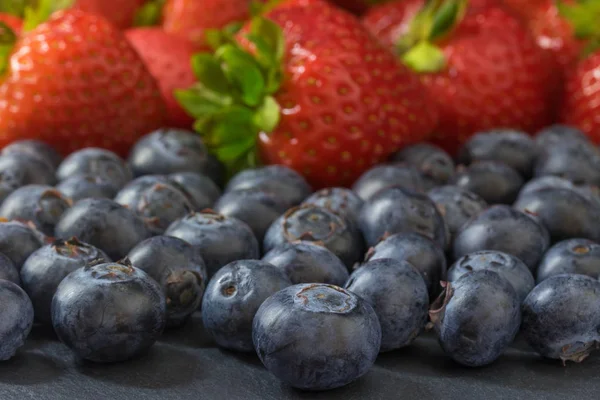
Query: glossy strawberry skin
x,y
76,82
13,22
120,13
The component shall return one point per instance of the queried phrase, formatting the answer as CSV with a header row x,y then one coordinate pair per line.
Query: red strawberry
x,y
75,81
488,72
323,96
14,23
119,12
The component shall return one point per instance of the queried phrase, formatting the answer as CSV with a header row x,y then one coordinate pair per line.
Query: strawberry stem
x,y
42,10
7,42
149,14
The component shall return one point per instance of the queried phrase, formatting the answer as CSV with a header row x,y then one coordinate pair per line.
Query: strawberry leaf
x,y
7,42
14,7
216,38
243,72
425,57
35,15
267,116
208,71
149,13
446,18
200,102
583,17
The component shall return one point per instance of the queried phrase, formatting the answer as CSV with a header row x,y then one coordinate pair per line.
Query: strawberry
x,y
477,61
75,82
121,13
14,23
307,87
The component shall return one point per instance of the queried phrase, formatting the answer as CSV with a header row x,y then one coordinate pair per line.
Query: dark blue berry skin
x,y
513,148
45,269
18,240
561,317
398,210
494,182
92,312
341,200
11,177
420,251
504,229
317,224
8,271
167,151
556,134
201,191
436,166
233,297
16,318
255,207
86,186
399,297
383,177
545,182
476,318
219,239
285,183
97,162
573,256
34,149
105,224
286,324
507,266
457,205
157,202
42,205
307,262
576,161
179,269
30,170
565,213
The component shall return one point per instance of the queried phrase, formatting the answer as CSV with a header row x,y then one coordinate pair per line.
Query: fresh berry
x,y
556,134
560,317
219,239
201,190
418,250
399,297
233,297
34,149
178,268
576,160
385,176
573,256
26,170
86,186
8,271
317,224
457,205
502,228
120,14
104,98
397,210
108,312
103,223
16,316
476,318
18,240
493,181
307,262
97,162
435,165
545,182
344,202
46,267
348,328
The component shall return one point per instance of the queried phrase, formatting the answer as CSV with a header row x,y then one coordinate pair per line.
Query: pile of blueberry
x,y
111,252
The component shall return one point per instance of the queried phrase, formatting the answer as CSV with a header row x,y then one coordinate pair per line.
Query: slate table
x,y
185,364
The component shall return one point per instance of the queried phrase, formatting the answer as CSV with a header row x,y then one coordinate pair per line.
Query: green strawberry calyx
x,y
583,16
149,14
39,11
433,23
7,42
233,100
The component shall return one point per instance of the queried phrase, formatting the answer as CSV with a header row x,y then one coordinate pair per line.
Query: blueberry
x,y
282,181
476,318
179,269
504,229
255,207
397,210
573,256
385,176
18,240
201,191
561,317
97,162
399,297
436,166
157,202
16,318
103,223
86,186
507,266
34,149
8,271
286,324
219,239
45,269
420,251
557,134
42,205
26,170
564,212
513,148
317,224
233,297
307,262
494,182
545,182
11,177
108,312
341,200
577,161
457,205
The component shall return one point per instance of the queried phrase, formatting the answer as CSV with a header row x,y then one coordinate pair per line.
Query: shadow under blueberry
x,y
249,358
30,367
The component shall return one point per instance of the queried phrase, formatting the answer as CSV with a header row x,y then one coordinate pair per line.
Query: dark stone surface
x,y
185,364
